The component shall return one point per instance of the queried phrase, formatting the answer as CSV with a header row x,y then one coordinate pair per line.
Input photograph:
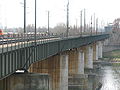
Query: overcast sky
x,y
11,11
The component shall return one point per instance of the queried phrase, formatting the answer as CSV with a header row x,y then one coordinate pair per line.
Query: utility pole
x,y
81,23
35,22
91,25
48,24
76,24
67,19
84,20
94,23
24,16
96,26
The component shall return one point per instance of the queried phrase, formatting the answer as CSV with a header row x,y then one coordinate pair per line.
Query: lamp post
x,y
48,24
84,20
81,23
24,16
35,22
91,25
96,26
67,19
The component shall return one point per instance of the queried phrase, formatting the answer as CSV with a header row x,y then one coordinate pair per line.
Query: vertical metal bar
x,y
32,51
2,45
18,41
29,58
1,65
18,58
5,64
24,39
15,57
11,44
15,41
26,56
7,43
12,61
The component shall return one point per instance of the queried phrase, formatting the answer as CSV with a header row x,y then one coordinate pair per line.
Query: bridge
x,y
62,59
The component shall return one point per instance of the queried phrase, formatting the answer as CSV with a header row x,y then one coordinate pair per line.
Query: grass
x,y
112,54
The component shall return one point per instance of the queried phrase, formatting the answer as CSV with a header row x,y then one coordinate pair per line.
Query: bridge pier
x,y
95,51
89,57
80,62
73,62
57,67
63,72
100,45
25,81
77,79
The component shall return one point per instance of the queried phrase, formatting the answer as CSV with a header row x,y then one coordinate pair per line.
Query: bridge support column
x,y
80,62
73,62
76,61
95,51
63,72
89,57
100,49
57,67
77,78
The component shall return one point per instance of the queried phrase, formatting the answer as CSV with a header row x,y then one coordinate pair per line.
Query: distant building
x,y
108,28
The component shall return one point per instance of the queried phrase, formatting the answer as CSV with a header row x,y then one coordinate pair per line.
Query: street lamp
x,y
67,19
48,24
35,22
24,16
91,25
81,23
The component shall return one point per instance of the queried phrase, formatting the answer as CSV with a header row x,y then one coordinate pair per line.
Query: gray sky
x,y
12,11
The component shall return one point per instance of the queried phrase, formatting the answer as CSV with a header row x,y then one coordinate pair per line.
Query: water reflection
x,y
110,77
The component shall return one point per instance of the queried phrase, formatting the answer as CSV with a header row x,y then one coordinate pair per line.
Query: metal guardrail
x,y
22,55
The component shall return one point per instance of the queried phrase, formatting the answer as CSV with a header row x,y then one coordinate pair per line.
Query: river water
x,y
109,77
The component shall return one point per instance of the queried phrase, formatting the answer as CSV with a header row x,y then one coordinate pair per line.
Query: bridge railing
x,y
11,42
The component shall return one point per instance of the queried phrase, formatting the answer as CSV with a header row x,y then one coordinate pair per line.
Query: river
x,y
109,77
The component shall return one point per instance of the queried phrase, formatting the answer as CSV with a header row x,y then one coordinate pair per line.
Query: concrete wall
x,y
25,82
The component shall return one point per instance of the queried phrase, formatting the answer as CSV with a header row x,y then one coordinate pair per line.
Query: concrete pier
x,y
95,51
24,81
80,62
57,67
100,45
73,62
89,57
